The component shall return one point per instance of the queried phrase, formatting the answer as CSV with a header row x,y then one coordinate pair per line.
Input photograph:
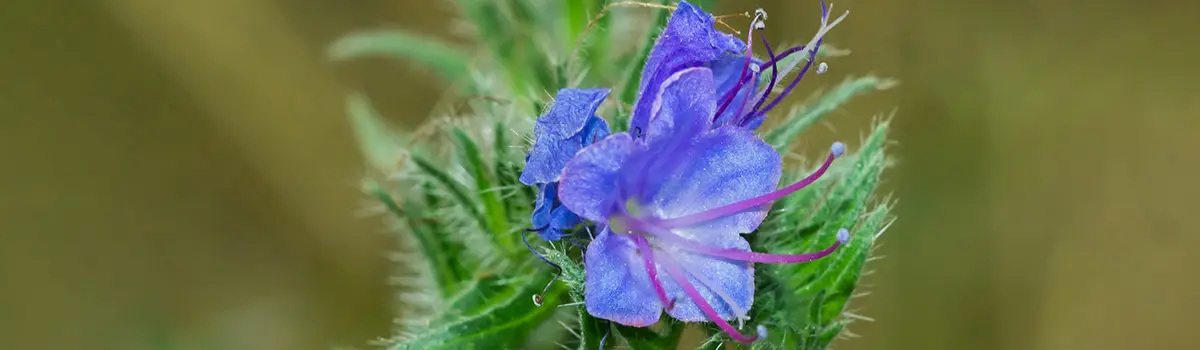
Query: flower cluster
x,y
670,199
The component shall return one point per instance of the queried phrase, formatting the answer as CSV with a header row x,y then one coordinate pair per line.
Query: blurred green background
x,y
182,172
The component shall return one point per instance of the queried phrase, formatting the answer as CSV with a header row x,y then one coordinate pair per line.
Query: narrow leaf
x,y
504,321
783,135
432,246
495,218
647,339
456,189
593,331
378,145
447,60
633,74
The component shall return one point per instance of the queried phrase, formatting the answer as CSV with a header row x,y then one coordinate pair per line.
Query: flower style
x,y
677,202
570,125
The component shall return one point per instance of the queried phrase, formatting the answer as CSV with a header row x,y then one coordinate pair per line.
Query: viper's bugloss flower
x,y
672,198
570,125
672,207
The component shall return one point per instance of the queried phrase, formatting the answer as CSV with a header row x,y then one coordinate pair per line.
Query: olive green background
x,y
181,172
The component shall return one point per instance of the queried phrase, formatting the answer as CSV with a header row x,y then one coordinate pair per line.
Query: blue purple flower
x,y
672,198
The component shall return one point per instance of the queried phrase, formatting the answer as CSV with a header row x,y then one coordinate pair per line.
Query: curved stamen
x,y
648,260
678,275
537,298
774,74
729,96
835,151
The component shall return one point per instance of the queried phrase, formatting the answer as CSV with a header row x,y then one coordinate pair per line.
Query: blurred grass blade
x,y
447,60
781,136
633,73
789,64
379,146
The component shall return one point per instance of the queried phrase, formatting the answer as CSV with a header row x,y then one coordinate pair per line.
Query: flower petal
x,y
617,287
570,113
547,158
723,166
562,218
684,106
563,131
689,40
590,178
549,216
719,281
541,209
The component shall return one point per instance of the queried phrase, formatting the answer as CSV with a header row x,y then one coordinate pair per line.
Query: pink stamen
x,y
678,275
737,207
648,260
684,243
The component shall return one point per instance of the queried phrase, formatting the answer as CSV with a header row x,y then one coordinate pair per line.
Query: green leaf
x,y
789,64
576,15
447,60
495,217
782,136
503,319
456,189
593,331
433,247
644,338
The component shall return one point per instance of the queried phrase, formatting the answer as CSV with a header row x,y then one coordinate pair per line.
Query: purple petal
x,y
724,166
547,158
595,130
570,113
684,107
719,281
617,287
689,40
563,131
549,216
590,178
541,209
563,218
